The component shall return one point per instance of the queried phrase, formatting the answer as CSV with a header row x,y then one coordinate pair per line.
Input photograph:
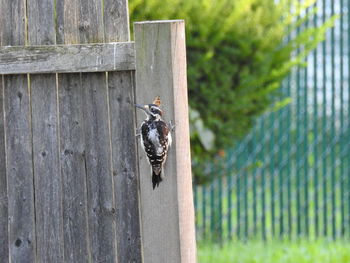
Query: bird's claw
x,y
171,126
138,133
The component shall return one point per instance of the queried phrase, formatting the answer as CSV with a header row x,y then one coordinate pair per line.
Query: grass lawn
x,y
275,252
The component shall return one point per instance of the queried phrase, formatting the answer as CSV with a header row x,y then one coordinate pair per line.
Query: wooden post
x,y
167,212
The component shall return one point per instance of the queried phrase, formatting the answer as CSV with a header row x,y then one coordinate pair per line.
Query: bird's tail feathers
x,y
156,178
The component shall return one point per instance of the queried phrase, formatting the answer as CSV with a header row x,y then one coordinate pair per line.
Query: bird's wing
x,y
164,132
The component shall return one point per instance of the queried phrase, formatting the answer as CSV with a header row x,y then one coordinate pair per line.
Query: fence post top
x,y
160,22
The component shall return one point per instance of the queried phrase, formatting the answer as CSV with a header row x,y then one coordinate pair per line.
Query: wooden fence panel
x,y
124,163
167,212
44,117
19,172
68,167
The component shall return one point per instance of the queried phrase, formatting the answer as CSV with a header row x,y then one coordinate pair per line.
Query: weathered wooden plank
x,y
21,224
12,22
167,212
100,196
67,27
121,102
73,169
4,241
41,22
72,139
116,20
47,177
3,183
3,5
67,58
91,21
19,169
122,120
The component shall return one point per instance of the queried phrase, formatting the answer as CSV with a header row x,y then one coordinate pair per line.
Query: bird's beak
x,y
142,107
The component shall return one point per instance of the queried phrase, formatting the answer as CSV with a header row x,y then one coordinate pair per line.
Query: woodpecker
x,y
155,138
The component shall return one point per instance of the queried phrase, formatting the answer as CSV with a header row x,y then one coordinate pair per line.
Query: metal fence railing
x,y
290,176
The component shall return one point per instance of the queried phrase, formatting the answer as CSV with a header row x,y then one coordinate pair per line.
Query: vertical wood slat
x,y
19,177
20,192
3,182
167,212
116,21
4,251
72,144
124,167
73,169
72,149
81,22
124,163
13,19
4,241
101,206
47,176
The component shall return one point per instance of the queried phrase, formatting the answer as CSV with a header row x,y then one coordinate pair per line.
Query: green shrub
x,y
237,56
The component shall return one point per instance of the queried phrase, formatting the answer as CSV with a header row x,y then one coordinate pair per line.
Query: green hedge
x,y
237,56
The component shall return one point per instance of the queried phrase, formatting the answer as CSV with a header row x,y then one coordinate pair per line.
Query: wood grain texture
x,y
41,22
121,101
73,169
65,133
72,143
123,143
47,177
116,21
44,115
12,22
167,212
100,195
67,58
91,21
4,242
182,142
100,198
79,21
67,21
19,172
3,183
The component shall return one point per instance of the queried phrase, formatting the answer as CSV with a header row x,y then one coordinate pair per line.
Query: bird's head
x,y
152,110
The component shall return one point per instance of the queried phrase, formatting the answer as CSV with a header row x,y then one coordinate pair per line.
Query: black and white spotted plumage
x,y
155,140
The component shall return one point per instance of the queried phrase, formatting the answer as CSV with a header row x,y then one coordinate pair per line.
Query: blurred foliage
x,y
238,52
